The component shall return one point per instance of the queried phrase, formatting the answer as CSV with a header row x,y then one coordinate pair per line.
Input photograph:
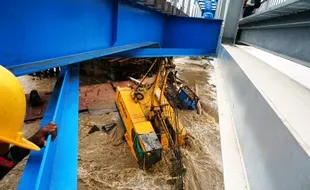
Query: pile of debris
x,y
118,69
54,72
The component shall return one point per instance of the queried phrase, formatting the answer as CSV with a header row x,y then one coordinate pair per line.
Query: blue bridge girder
x,y
46,34
162,52
38,35
55,166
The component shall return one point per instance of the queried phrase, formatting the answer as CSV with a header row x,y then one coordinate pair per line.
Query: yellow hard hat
x,y
12,111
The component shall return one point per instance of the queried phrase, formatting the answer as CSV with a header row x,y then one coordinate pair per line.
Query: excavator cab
x,y
140,135
147,149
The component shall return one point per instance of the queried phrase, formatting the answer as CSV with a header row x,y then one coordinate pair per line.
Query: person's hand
x,y
39,138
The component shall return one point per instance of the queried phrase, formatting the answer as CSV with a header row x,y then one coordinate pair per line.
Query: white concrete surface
x,y
295,71
264,123
290,100
233,168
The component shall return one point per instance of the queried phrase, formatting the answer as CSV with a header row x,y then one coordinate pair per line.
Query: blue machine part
x,y
187,98
46,32
163,52
55,166
208,8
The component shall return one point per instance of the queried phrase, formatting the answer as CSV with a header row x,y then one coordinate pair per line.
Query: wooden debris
x,y
135,81
93,129
198,106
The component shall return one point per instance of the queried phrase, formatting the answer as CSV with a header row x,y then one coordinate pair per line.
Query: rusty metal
x,y
89,96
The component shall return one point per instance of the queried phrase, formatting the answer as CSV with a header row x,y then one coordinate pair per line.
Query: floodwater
x,y
105,161
202,157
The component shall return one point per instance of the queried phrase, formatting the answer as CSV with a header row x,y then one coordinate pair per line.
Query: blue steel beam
x,y
55,166
36,31
33,67
163,52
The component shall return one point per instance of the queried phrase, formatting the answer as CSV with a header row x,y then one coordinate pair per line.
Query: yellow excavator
x,y
152,125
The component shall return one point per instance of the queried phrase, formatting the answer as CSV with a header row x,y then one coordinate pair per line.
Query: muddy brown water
x,y
203,155
105,161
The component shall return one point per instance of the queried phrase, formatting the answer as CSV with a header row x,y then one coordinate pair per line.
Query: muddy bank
x,y
40,84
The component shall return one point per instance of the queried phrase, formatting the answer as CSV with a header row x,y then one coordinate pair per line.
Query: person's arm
x,y
39,138
17,154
